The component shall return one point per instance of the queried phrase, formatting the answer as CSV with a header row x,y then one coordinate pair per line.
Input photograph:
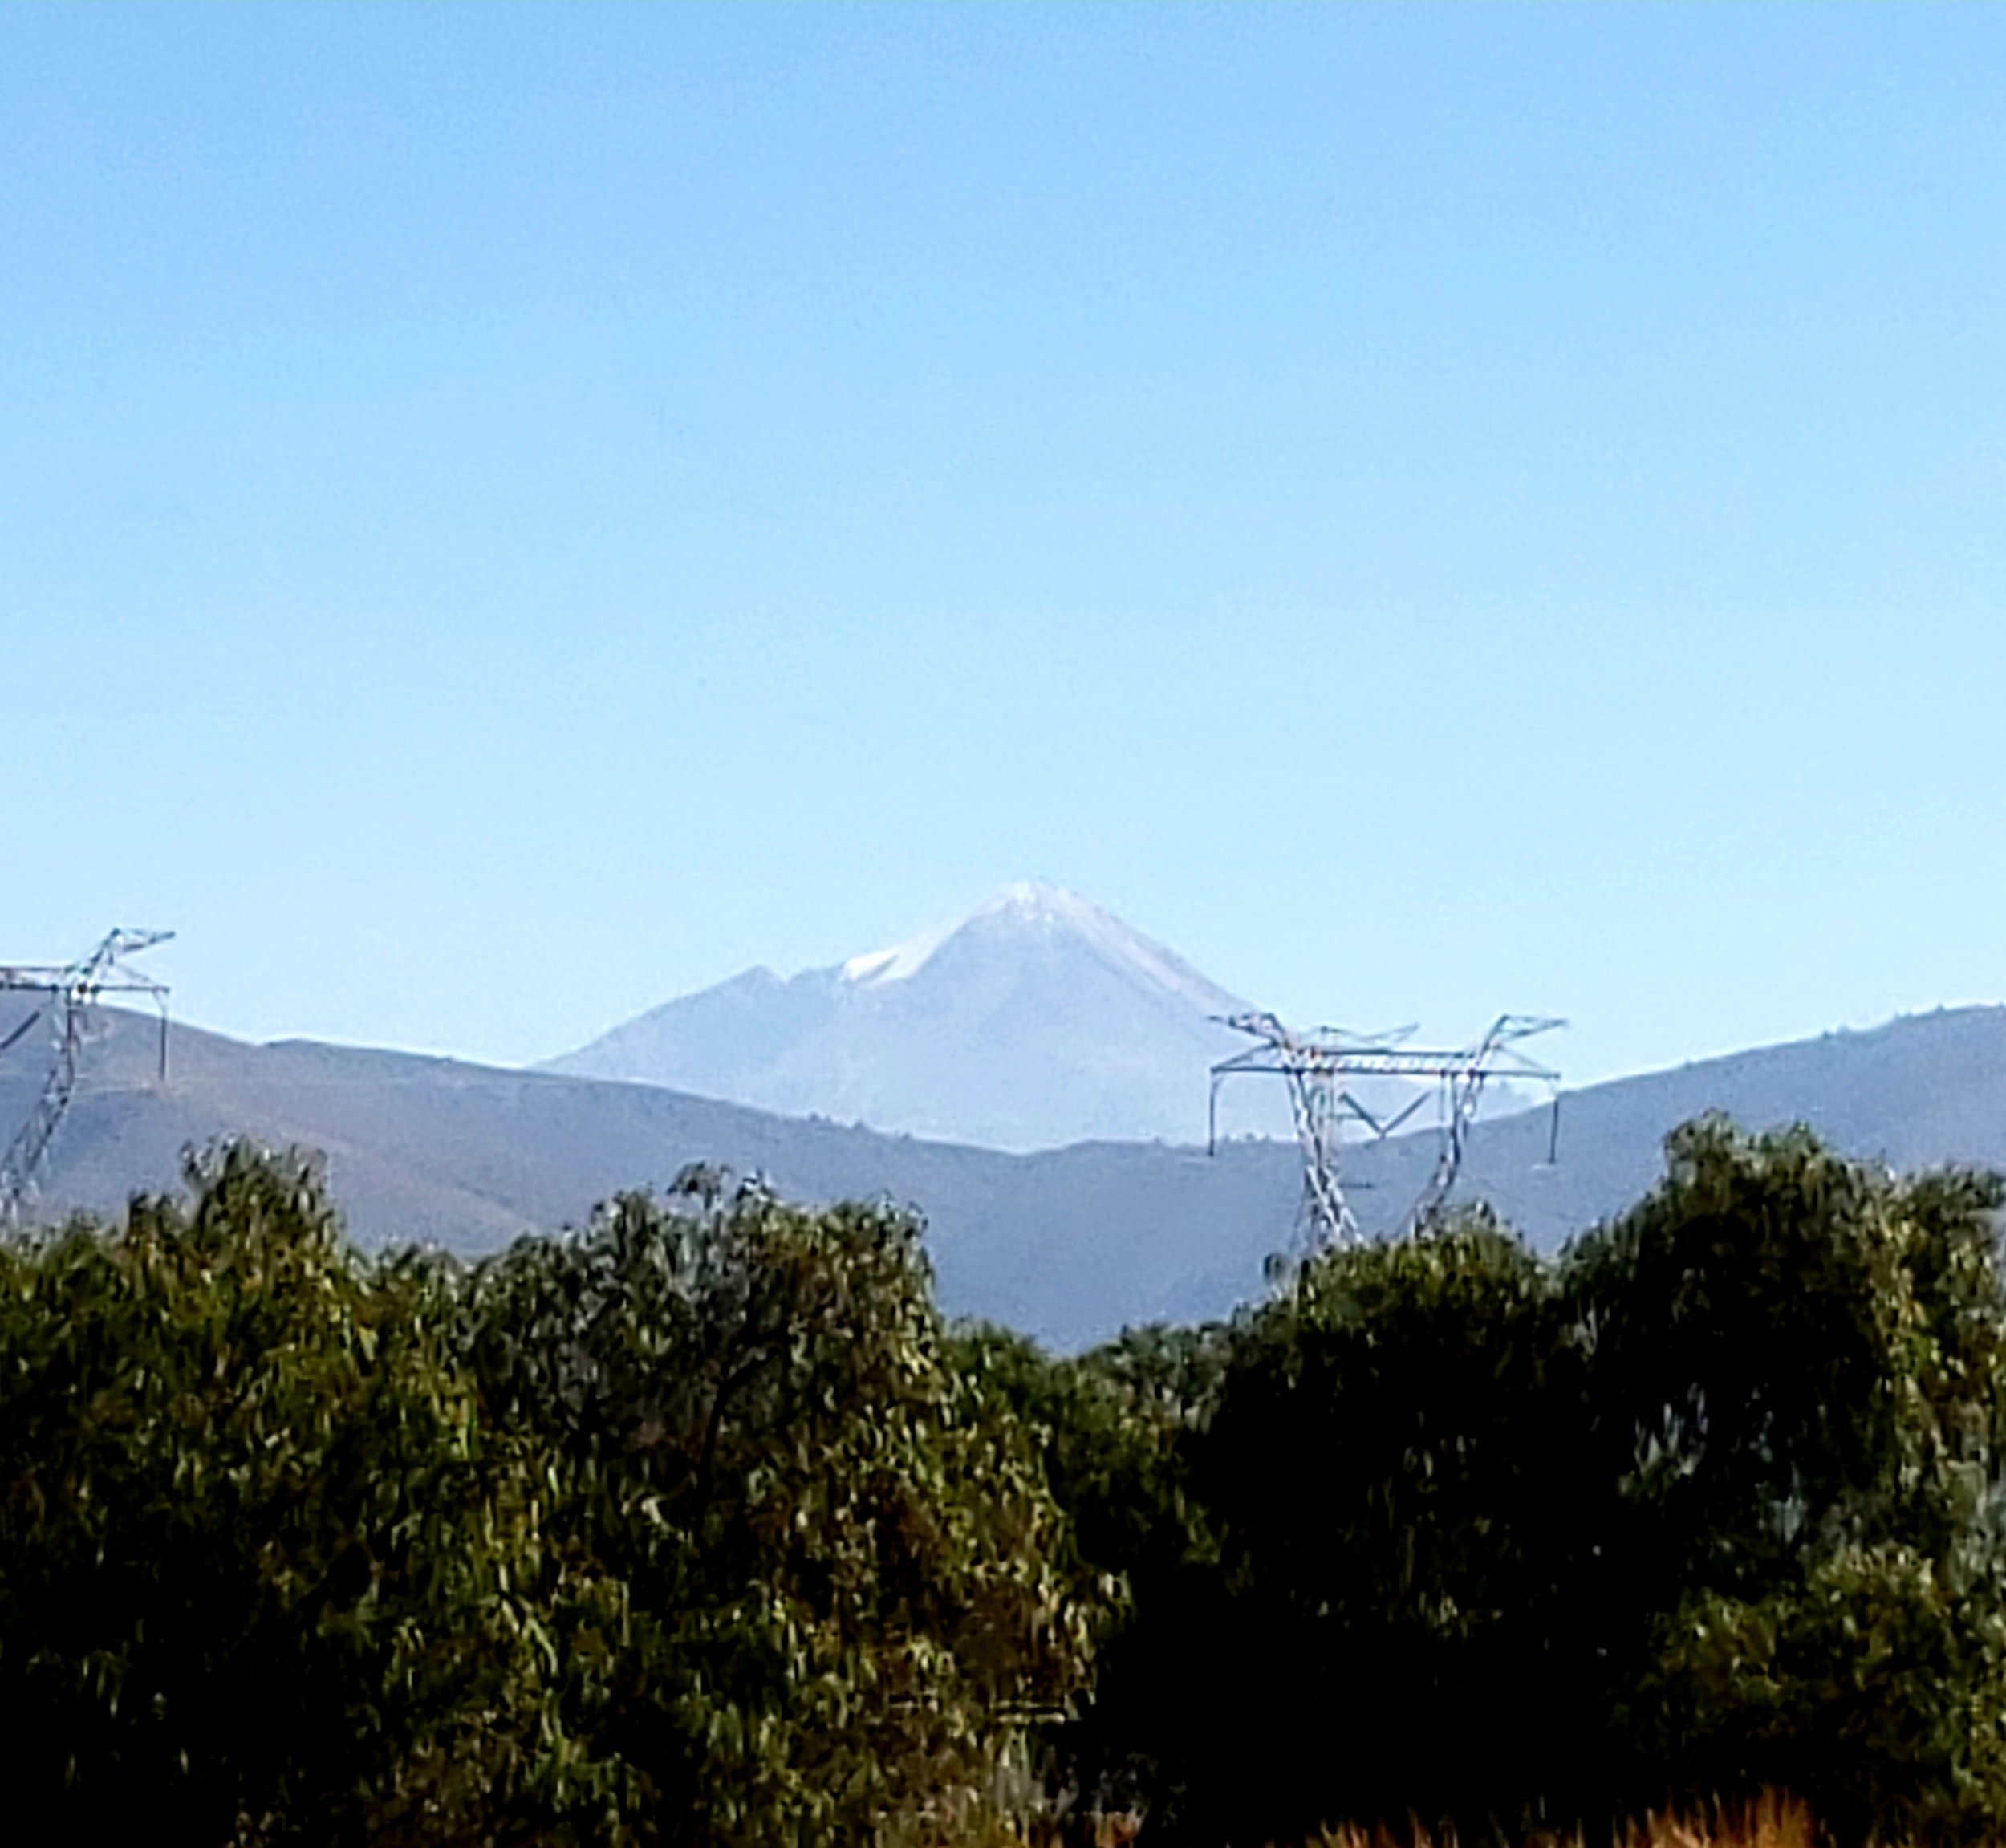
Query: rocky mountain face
x,y
1038,1020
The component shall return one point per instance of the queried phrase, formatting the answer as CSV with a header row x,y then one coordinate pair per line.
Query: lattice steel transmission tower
x,y
71,991
1320,1069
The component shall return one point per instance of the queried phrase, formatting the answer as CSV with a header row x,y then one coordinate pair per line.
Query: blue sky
x,y
507,514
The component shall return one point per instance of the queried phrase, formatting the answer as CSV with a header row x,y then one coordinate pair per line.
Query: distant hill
x,y
1038,1020
1068,1243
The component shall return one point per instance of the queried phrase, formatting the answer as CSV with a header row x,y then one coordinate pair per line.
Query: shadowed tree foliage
x,y
255,1567
1111,1428
1407,1581
682,1529
697,1528
1710,1503
842,1606
1796,1374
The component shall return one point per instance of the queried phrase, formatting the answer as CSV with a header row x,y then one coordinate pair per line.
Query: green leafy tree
x,y
253,1564
1387,1470
1712,1503
1111,1427
842,1607
699,1528
1796,1363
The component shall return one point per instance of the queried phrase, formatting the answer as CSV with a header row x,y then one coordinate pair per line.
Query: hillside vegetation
x,y
701,1526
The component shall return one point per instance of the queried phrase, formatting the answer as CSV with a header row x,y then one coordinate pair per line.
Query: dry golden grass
x,y
1773,1820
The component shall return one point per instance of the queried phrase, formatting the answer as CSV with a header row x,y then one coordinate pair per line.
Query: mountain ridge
x,y
1068,1245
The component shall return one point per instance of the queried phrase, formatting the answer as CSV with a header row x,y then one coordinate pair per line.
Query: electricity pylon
x,y
1320,1068
70,991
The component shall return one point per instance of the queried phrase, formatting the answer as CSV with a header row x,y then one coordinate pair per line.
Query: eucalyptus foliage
x,y
1710,1503
255,1569
698,1528
683,1529
841,1603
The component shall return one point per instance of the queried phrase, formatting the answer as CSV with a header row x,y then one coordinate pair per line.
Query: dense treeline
x,y
700,1527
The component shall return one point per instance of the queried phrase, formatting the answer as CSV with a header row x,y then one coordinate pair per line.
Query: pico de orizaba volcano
x,y
1037,1020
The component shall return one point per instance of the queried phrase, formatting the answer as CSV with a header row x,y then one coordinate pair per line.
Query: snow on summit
x,y
1029,907
1037,1019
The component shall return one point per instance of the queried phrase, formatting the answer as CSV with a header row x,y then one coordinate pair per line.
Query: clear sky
x,y
510,513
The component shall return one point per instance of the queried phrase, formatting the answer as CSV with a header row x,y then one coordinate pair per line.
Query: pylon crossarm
x,y
1316,1066
73,988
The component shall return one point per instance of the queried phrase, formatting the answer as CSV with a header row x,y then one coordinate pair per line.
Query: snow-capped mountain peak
x,y
1037,1018
1030,909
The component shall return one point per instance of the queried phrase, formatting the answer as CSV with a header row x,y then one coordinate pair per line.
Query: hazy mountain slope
x,y
1915,1093
1038,1020
1068,1243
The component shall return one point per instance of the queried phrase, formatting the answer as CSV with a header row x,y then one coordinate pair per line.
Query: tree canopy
x,y
699,1526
